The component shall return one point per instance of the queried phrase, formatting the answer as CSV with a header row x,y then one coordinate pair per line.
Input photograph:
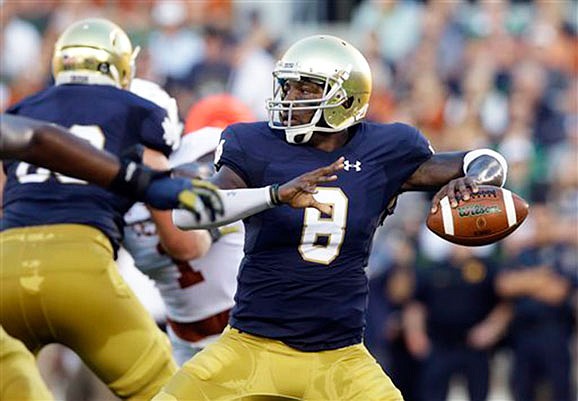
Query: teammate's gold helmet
x,y
94,51
346,77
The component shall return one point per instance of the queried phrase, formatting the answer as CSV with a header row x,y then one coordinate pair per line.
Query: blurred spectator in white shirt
x,y
21,44
252,81
174,47
397,24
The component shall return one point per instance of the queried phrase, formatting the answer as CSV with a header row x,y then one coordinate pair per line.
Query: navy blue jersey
x,y
109,118
302,280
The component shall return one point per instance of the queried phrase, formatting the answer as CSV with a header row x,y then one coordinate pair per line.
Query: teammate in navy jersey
x,y
50,146
59,282
297,325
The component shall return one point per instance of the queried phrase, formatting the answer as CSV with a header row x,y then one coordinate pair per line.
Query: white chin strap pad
x,y
291,134
306,130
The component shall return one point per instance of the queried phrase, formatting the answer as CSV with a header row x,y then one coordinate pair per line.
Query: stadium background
x,y
493,74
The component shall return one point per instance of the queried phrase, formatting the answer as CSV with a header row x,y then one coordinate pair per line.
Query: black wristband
x,y
274,194
132,179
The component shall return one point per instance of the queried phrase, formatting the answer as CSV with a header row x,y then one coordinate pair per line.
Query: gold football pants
x,y
240,366
59,283
20,379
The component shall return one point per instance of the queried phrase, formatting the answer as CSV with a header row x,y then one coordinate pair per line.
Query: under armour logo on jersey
x,y
348,165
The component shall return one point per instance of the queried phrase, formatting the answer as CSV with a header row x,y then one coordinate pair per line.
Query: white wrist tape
x,y
238,204
474,154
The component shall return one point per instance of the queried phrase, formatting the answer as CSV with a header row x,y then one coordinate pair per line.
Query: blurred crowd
x,y
498,74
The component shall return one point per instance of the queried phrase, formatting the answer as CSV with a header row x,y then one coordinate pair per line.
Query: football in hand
x,y
488,216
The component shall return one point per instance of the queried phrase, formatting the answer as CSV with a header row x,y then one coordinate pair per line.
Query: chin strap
x,y
298,136
293,134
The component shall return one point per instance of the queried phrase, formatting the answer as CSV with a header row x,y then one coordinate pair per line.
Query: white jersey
x,y
192,290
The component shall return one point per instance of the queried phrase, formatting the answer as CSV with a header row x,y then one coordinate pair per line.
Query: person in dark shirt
x,y
53,147
59,282
454,321
297,325
539,280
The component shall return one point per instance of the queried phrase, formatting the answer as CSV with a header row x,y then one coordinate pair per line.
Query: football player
x,y
297,325
50,146
59,282
198,291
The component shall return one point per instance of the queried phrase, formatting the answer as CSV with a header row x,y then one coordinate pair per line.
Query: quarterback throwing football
x,y
296,328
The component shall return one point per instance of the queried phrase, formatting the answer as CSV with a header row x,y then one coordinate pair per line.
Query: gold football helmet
x,y
346,77
94,51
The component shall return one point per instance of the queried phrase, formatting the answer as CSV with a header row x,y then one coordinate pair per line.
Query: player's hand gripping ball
x,y
488,216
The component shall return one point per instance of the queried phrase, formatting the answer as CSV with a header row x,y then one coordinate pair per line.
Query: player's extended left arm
x,y
458,174
241,202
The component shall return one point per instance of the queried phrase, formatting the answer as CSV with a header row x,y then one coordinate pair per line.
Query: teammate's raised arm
x,y
53,147
57,149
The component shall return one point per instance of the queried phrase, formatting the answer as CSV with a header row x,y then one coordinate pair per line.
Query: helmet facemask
x,y
333,96
344,75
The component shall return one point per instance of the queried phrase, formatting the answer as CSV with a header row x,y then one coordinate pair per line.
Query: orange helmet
x,y
217,111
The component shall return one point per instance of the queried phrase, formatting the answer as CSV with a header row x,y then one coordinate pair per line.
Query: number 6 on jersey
x,y
323,235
